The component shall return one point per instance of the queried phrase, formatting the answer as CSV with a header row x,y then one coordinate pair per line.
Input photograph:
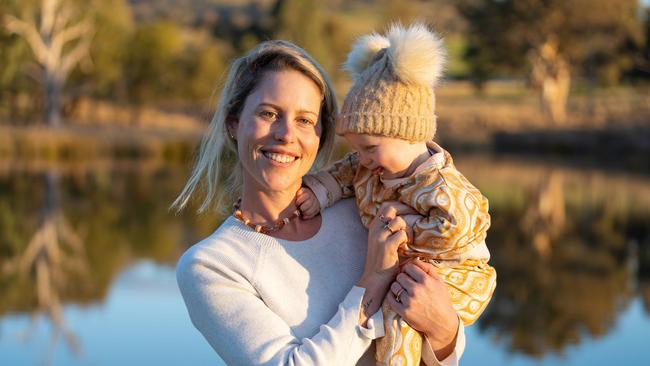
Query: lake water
x,y
87,255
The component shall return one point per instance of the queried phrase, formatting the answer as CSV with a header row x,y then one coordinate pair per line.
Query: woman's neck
x,y
262,207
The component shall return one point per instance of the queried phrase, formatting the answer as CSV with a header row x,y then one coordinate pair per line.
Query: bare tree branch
x,y
64,15
48,16
80,51
31,35
79,30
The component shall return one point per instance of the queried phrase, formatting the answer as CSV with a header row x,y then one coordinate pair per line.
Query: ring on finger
x,y
398,294
387,227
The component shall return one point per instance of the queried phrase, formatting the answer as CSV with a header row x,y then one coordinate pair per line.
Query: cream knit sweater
x,y
259,300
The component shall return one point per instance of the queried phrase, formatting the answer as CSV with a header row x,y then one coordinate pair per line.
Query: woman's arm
x,y
226,308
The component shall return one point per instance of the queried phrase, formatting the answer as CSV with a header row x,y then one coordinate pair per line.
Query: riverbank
x,y
84,142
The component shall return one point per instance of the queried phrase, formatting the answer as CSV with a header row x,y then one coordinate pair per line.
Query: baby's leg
x,y
402,345
471,285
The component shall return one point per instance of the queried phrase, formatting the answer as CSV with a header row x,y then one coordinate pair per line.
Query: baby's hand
x,y
307,203
410,220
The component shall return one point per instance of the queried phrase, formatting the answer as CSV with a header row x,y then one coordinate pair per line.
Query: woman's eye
x,y
306,121
269,115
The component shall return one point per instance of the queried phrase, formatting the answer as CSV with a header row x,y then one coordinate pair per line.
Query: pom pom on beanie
x,y
395,75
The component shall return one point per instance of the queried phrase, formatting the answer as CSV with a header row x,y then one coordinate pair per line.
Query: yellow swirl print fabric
x,y
454,219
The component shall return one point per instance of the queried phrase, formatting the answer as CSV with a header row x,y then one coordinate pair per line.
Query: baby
x,y
388,119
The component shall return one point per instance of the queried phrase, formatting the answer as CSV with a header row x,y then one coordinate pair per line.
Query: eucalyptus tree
x,y
59,36
551,41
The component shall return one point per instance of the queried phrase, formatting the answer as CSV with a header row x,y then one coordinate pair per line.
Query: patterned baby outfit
x,y
449,233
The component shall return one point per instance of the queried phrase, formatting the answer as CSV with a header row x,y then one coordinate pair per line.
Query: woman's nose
x,y
284,130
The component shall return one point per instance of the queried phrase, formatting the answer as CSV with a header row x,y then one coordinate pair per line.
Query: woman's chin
x,y
275,176
281,181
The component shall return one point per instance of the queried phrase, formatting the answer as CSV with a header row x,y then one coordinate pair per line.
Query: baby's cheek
x,y
384,160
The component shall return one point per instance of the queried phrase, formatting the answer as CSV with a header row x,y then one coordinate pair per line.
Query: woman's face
x,y
278,131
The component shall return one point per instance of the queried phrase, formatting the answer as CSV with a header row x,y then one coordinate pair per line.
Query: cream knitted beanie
x,y
394,80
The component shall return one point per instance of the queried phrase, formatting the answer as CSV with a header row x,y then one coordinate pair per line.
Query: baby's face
x,y
385,156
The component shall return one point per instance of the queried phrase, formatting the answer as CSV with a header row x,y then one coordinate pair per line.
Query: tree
x,y
151,62
551,40
304,23
113,27
14,72
59,38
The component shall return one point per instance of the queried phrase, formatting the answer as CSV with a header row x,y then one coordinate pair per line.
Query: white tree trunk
x,y
55,30
53,104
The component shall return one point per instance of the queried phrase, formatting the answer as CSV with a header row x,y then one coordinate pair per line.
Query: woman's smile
x,y
278,157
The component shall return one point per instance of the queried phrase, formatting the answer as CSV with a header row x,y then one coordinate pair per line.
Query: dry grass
x,y
464,116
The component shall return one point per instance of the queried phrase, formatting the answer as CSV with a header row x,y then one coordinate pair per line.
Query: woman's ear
x,y
231,125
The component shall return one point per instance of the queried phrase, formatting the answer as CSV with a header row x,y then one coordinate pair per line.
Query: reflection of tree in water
x,y
122,216
641,233
54,252
545,217
562,269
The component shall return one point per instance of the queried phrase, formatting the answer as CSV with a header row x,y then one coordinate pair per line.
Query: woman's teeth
x,y
280,158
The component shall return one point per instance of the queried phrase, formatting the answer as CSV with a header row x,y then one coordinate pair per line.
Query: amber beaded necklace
x,y
264,229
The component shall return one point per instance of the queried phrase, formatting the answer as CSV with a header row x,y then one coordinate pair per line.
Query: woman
x,y
269,287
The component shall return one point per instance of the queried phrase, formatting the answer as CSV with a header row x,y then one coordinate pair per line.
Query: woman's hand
x,y
386,233
421,298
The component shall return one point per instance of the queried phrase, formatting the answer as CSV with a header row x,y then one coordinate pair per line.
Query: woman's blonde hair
x,y
217,165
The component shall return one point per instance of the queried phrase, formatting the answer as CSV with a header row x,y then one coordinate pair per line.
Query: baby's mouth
x,y
379,171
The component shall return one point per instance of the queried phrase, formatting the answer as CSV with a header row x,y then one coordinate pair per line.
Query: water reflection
x,y
67,232
572,246
566,246
53,259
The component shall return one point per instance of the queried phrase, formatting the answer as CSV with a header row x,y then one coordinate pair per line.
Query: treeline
x,y
167,54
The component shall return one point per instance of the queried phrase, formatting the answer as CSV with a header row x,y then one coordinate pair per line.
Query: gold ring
x,y
399,293
387,227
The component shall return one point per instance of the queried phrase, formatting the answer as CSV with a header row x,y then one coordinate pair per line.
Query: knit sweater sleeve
x,y
335,183
226,308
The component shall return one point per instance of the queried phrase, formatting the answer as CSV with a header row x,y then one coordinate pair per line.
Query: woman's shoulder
x,y
227,249
343,216
342,209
